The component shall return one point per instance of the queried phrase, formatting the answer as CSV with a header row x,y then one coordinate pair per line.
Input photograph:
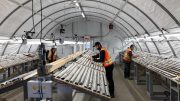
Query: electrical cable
x,y
33,15
40,89
41,21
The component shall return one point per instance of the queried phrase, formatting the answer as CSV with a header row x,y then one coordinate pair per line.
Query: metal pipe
x,y
102,87
89,75
71,75
98,82
76,73
105,80
68,70
80,75
84,75
87,78
107,91
91,80
94,85
62,73
55,74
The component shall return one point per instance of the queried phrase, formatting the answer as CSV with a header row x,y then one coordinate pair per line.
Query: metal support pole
x,y
25,91
174,91
4,48
19,48
9,72
136,78
149,82
23,68
156,47
178,92
147,47
172,50
4,76
42,60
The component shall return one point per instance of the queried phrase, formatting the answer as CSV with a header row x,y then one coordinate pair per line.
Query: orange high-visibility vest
x,y
126,57
107,61
52,56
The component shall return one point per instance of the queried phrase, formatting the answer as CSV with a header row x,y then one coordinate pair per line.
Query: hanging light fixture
x,y
76,3
80,8
83,15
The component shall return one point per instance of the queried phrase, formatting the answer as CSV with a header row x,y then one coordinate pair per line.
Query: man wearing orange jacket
x,y
106,60
52,55
127,60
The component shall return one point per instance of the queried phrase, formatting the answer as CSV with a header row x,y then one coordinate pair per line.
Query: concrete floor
x,y
122,92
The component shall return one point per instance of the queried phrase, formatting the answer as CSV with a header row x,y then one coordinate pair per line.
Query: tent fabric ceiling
x,y
89,17
17,11
136,17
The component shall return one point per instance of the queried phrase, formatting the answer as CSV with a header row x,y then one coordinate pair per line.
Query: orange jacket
x,y
107,61
52,56
127,57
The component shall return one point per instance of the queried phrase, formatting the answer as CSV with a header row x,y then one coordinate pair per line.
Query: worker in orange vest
x,y
52,55
127,61
106,60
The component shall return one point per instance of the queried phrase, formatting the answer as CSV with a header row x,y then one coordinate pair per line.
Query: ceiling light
x,y
77,4
83,15
74,1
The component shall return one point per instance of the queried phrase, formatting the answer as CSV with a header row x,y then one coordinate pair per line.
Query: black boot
x,y
112,95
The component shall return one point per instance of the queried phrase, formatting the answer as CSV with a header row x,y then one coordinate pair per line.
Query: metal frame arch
x,y
13,12
98,17
116,21
151,20
91,8
154,0
28,19
64,1
53,20
86,0
76,17
168,12
106,16
96,13
165,9
101,21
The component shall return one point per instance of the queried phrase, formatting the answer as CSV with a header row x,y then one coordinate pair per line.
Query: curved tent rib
x,y
94,13
67,19
127,25
88,0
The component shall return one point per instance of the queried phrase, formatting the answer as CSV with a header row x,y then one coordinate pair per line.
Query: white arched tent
x,y
152,25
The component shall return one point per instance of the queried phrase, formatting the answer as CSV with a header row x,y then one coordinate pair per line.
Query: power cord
x,y
33,15
41,21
